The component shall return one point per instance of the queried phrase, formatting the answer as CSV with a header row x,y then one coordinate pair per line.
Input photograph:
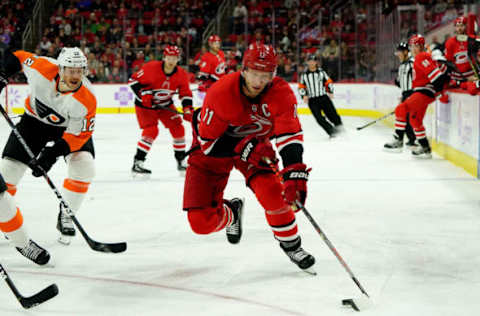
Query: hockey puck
x,y
351,303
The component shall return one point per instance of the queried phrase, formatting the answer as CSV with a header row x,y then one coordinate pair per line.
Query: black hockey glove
x,y
48,156
3,80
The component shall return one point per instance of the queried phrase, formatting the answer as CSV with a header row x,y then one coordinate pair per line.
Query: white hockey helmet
x,y
72,57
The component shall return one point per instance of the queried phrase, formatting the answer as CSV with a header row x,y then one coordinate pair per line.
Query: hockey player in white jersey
x,y
61,110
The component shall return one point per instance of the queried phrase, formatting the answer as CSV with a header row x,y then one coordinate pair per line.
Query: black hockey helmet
x,y
402,46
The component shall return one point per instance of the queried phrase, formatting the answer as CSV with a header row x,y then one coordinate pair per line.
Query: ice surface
x,y
408,229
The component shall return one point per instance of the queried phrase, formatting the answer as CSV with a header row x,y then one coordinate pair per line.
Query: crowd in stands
x,y
118,36
14,15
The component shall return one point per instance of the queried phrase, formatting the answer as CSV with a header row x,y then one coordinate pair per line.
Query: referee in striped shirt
x,y
404,81
314,87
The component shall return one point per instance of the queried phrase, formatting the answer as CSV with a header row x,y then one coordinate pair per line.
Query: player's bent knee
x,y
401,111
81,166
201,221
12,170
150,132
268,190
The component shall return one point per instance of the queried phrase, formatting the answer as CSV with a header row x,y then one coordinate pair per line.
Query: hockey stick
x,y
375,121
300,206
474,68
95,245
31,301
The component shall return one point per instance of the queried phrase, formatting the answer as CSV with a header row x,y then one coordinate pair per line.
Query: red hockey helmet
x,y
171,50
417,39
214,38
260,57
460,20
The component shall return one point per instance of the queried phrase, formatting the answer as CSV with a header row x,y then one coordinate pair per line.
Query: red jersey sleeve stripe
x,y
292,140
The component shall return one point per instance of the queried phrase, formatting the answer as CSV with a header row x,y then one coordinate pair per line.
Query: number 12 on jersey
x,y
88,125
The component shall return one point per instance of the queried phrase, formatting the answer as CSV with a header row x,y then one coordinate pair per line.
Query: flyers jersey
x,y
457,52
212,67
228,115
427,74
73,110
151,77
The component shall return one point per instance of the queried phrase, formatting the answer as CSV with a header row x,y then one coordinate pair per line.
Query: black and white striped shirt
x,y
405,75
315,83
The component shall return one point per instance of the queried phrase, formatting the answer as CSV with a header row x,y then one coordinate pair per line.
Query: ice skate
x,y
181,166
234,231
422,152
35,253
300,257
395,146
138,171
412,145
339,129
65,227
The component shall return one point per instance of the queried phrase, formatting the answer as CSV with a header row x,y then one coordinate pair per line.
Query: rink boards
x,y
453,128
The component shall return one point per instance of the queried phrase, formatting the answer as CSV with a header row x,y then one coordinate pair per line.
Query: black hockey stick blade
x,y
351,303
95,245
105,247
42,296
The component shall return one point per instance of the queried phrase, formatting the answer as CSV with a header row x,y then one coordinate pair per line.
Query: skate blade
x,y
429,156
64,240
393,150
140,176
310,271
182,173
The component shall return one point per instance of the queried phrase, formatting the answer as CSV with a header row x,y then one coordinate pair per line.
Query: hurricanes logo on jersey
x,y
47,113
220,68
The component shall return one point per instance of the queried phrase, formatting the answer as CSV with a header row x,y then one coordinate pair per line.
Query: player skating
x,y
61,109
154,86
240,115
212,65
428,79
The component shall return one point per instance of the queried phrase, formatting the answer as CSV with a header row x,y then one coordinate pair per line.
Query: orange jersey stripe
x,y
329,81
42,65
88,100
28,106
86,97
22,55
76,186
12,189
301,86
15,223
75,142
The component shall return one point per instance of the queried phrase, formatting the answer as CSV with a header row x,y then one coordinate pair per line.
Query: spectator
x,y
4,36
330,56
138,62
44,45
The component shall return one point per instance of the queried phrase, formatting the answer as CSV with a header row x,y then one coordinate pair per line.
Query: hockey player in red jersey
x,y
154,86
60,108
458,49
428,79
212,65
241,113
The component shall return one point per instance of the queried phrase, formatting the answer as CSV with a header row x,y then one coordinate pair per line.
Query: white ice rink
x,y
408,229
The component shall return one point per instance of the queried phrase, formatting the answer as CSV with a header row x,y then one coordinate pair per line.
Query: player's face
x,y
171,61
256,80
73,77
415,49
460,28
215,46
